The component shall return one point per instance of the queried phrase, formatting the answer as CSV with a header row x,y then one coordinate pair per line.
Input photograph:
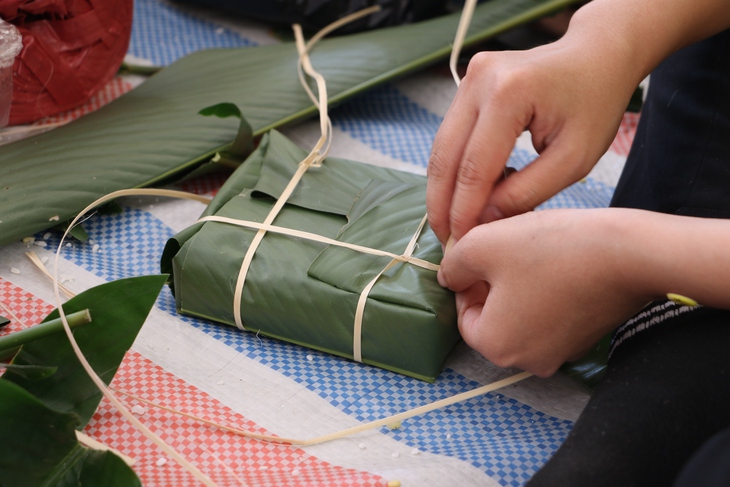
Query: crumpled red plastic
x,y
71,49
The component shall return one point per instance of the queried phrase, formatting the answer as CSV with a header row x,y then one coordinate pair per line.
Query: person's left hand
x,y
538,289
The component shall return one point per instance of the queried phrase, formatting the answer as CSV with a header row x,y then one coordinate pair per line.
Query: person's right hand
x,y
571,96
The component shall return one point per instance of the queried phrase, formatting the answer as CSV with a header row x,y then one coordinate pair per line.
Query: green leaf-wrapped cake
x,y
305,291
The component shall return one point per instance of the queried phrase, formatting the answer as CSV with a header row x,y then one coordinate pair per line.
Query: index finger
x,y
446,152
480,168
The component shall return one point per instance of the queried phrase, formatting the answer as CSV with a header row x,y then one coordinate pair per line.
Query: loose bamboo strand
x,y
39,264
341,22
322,99
466,15
350,431
236,431
315,158
13,315
421,410
85,364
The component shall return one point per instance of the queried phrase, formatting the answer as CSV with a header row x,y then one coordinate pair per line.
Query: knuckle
x,y
479,62
471,172
493,71
517,201
438,167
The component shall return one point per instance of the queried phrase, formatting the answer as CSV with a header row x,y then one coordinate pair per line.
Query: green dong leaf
x,y
154,132
39,447
118,311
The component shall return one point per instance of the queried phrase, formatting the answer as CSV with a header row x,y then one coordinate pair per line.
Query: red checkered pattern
x,y
248,462
228,459
26,307
626,133
208,184
113,90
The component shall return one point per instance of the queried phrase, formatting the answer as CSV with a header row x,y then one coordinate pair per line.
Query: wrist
x,y
661,254
618,45
630,243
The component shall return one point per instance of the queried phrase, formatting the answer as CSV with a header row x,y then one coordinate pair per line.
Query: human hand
x,y
570,95
536,290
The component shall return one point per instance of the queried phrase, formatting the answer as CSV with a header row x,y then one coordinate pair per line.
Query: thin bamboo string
x,y
13,315
82,359
360,313
349,431
314,158
39,264
466,15
362,301
320,238
314,40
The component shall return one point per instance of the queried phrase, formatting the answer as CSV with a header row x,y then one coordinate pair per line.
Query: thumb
x,y
464,263
469,307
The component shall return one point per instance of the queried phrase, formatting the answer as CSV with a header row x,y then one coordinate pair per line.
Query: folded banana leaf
x,y
154,132
306,292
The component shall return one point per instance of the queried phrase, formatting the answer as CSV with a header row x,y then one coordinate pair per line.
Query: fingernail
x,y
491,213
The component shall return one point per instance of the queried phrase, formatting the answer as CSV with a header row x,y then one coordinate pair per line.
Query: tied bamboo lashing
x,y
314,159
200,476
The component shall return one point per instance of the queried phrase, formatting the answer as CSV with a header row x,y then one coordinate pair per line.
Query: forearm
x,y
639,34
674,254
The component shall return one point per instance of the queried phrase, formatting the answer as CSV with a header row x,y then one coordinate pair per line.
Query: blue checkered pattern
x,y
389,122
588,193
500,436
163,33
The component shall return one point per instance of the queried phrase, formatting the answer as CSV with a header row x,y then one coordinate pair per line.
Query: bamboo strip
x,y
200,476
363,299
39,264
319,238
350,431
466,15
